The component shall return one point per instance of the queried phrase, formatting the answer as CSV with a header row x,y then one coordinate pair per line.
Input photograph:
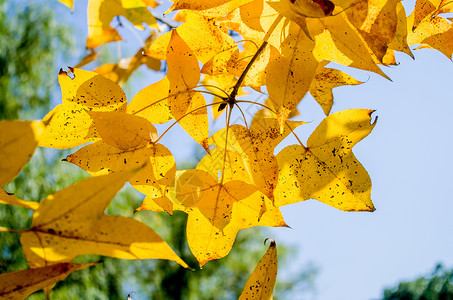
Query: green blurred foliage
x,y
32,43
30,39
437,286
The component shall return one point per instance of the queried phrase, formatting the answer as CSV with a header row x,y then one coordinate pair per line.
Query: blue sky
x,y
408,156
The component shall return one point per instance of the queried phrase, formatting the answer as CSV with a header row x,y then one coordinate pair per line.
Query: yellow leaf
x,y
82,92
101,13
399,43
196,5
377,22
7,198
260,284
153,180
339,41
21,284
218,211
209,41
18,141
188,108
124,131
326,169
68,3
151,103
289,73
434,32
72,222
324,81
223,9
255,162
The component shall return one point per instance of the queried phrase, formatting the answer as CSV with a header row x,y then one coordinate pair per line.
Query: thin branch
x,y
185,115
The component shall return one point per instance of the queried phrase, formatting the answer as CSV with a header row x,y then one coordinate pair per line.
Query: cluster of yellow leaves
x,y
285,50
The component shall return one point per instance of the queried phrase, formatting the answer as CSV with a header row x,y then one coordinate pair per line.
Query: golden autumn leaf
x,y
196,5
250,155
18,141
7,198
20,284
217,211
101,13
187,107
72,222
260,284
82,92
326,169
324,81
151,103
127,143
210,40
432,31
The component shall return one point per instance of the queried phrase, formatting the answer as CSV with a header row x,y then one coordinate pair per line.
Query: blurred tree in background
x,y
437,286
32,42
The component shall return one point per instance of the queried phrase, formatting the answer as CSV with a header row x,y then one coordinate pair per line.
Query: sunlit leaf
x,y
7,198
326,169
21,284
72,222
18,140
82,92
260,284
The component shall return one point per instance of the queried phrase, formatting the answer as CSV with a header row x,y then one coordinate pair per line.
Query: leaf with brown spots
x,y
187,106
324,81
260,284
217,211
326,169
72,222
127,143
70,124
20,284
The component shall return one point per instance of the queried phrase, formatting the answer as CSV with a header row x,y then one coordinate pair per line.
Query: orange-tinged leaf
x,y
182,76
324,81
21,284
260,284
90,57
326,169
151,103
101,13
377,22
218,211
426,8
434,32
18,141
399,43
339,41
70,124
124,131
209,41
72,222
7,198
223,9
196,5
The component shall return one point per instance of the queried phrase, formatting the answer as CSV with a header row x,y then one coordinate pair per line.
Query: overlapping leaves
x,y
284,50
